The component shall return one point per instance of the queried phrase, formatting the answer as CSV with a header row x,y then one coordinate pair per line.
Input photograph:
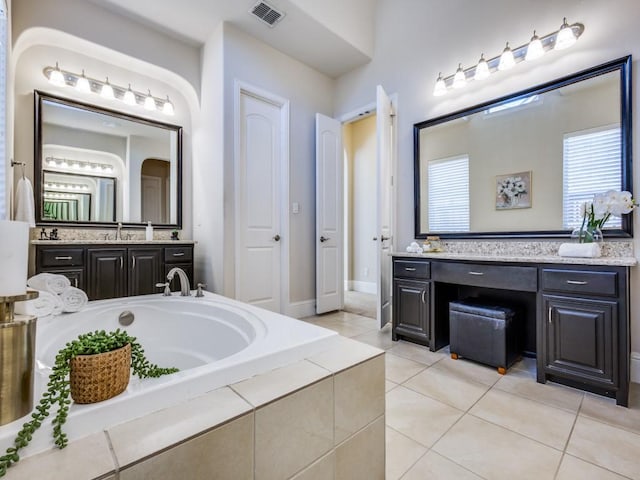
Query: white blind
x,y
448,187
4,41
592,165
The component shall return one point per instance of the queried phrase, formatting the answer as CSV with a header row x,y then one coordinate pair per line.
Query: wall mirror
x,y
96,167
522,165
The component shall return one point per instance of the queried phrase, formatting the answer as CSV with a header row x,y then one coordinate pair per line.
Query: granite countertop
x,y
112,242
610,261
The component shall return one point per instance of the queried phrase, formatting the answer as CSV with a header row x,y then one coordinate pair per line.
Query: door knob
x,y
324,239
383,238
375,239
277,238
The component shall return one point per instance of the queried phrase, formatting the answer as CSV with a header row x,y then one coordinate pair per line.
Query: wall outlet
x,y
295,207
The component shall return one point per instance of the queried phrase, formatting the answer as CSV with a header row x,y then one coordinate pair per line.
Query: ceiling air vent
x,y
267,13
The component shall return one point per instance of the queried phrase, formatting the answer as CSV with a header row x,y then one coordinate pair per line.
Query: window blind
x,y
4,45
448,187
592,165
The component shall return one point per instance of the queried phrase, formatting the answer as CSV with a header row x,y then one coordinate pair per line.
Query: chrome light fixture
x,y
563,38
107,90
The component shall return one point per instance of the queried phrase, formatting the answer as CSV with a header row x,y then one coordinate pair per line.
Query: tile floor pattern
x,y
457,419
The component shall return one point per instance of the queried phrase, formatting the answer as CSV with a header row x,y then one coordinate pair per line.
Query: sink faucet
x,y
119,231
185,288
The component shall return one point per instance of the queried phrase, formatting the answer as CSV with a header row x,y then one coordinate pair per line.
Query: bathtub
x,y
213,340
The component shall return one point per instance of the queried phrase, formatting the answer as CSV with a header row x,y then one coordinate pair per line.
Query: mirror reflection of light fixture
x,y
149,102
86,85
107,91
507,60
482,69
535,48
56,77
66,164
459,79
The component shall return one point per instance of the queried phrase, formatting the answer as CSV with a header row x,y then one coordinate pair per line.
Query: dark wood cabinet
x,y
575,318
106,271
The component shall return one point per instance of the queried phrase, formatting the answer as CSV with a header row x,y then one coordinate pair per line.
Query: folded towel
x,y
24,208
414,248
73,299
583,250
47,303
49,282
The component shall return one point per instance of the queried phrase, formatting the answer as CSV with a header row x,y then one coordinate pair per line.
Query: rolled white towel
x,y
50,282
583,250
47,303
73,299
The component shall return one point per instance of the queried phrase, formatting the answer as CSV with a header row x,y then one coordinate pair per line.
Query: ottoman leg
x,y
454,356
502,370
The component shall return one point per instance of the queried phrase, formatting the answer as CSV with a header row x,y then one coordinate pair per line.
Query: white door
x,y
151,200
384,235
329,236
259,251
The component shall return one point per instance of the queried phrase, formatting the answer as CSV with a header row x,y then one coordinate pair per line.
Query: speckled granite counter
x,y
112,242
609,261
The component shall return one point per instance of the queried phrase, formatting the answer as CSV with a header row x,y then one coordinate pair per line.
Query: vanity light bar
x,y
78,165
66,186
61,195
108,90
562,38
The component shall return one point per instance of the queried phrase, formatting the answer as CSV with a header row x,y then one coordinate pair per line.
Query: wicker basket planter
x,y
98,377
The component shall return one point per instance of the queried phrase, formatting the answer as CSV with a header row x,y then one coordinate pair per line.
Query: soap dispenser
x,y
149,232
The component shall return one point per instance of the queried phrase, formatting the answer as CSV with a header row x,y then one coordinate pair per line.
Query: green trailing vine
x,y
58,387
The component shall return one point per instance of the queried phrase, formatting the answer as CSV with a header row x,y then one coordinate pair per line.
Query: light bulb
x,y
82,84
149,102
482,69
459,79
167,108
565,36
129,97
107,91
534,49
506,59
440,88
56,77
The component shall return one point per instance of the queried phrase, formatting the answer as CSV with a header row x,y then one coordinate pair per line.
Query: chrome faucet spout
x,y
185,288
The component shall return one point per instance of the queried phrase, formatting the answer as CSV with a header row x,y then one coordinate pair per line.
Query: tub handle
x,y
200,286
167,290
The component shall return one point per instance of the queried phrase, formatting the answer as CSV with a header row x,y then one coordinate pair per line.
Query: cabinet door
x,y
145,270
411,300
581,336
106,273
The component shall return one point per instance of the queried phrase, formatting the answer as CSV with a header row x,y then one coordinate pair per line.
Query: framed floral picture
x,y
513,191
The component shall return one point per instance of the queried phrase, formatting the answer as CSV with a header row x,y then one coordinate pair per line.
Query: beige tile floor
x,y
457,419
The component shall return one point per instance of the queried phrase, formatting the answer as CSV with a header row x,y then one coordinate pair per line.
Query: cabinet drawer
x,y
580,281
178,254
489,276
61,257
411,269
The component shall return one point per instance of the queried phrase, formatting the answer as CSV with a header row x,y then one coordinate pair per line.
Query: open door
x,y
329,223
384,235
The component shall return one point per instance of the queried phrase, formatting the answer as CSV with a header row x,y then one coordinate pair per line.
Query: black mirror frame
x,y
623,65
38,170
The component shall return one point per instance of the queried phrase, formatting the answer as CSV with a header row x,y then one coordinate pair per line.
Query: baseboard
x,y
303,309
635,367
360,286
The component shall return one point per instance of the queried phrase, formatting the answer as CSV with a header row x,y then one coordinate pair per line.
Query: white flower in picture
x,y
513,191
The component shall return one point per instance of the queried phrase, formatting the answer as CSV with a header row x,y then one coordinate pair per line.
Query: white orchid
x,y
596,213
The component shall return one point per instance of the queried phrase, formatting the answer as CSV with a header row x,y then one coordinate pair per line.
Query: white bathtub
x,y
213,340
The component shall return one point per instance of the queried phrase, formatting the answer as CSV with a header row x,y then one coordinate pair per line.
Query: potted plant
x,y
72,365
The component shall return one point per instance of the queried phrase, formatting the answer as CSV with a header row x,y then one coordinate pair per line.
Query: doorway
x,y
359,137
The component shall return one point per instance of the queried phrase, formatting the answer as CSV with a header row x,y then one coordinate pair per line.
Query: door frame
x,y
239,88
363,112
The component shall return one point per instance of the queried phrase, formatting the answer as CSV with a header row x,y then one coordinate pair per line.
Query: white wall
x,y
417,39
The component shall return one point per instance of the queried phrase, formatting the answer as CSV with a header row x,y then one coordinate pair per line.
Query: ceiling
x,y
298,34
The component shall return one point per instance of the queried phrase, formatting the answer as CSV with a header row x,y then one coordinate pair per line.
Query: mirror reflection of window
x,y
154,187
591,165
448,194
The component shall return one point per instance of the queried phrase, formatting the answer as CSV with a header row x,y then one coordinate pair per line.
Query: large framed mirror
x,y
522,165
98,167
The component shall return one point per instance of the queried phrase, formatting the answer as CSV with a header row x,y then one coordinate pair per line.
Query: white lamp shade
x,y
129,97
149,102
441,88
459,79
107,91
506,59
534,49
82,84
57,78
565,37
13,257
482,70
167,108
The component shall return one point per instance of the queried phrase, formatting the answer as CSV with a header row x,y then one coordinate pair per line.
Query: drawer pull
x,y
178,254
410,269
75,282
64,258
479,274
576,282
549,314
423,292
133,263
121,263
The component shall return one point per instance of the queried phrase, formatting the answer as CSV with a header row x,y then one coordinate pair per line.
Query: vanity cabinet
x,y
111,271
573,318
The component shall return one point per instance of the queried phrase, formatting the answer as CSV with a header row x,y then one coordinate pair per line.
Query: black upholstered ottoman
x,y
483,332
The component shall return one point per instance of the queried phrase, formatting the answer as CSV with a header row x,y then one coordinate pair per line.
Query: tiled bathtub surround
x,y
319,418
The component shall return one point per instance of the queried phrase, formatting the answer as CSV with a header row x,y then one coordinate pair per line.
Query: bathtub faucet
x,y
185,288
